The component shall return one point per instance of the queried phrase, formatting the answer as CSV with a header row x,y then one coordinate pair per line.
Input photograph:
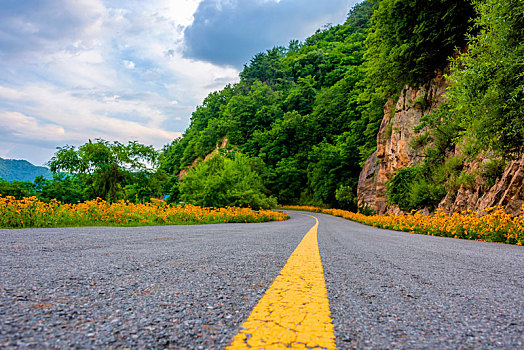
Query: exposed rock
x,y
507,192
393,141
223,144
367,182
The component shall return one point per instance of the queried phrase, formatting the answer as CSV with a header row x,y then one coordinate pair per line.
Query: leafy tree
x,y
143,185
487,94
288,179
267,67
226,181
346,198
301,96
256,109
104,166
330,166
17,189
410,39
66,188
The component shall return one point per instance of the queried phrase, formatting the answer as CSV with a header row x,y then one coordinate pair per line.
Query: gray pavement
x,y
394,290
191,287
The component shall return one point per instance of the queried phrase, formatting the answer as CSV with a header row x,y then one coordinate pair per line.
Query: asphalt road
x,y
193,286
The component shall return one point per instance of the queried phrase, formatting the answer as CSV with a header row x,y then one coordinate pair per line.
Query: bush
x,y
423,194
410,190
346,198
492,170
397,189
17,189
222,181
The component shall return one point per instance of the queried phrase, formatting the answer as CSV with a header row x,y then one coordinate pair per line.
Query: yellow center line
x,y
294,311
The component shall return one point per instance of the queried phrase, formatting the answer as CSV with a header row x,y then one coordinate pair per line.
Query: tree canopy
x,y
106,167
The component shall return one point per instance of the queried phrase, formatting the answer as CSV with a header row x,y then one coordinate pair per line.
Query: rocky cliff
x,y
508,190
393,142
395,150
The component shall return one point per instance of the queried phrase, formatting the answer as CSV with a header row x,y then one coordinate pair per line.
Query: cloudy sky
x,y
130,69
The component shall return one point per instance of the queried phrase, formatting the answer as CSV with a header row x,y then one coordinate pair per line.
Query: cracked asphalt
x,y
191,287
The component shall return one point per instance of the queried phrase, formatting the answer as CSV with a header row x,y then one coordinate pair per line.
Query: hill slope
x,y
21,170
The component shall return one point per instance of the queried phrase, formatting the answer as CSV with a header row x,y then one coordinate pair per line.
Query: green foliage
x,y
366,210
420,141
330,166
410,39
346,198
66,188
223,181
487,94
104,167
142,186
492,170
425,194
17,189
397,189
410,189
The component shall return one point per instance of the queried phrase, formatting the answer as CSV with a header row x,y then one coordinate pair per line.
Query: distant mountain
x,y
21,170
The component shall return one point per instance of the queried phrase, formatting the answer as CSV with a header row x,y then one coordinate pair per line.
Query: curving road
x,y
192,287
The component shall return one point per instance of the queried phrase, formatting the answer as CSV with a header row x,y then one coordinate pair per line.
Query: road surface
x,y
193,287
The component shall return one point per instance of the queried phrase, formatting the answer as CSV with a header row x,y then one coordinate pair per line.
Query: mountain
x,y
21,170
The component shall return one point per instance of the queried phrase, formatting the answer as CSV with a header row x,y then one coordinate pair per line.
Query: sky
x,y
125,70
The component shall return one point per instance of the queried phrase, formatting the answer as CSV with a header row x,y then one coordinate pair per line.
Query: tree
x,y
17,189
104,166
66,188
410,39
226,181
487,94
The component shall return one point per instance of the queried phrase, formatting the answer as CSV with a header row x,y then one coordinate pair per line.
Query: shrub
x,y
346,198
492,170
222,181
397,189
423,194
411,190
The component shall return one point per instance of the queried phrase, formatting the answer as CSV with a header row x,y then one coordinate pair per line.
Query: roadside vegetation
x,y
31,212
494,226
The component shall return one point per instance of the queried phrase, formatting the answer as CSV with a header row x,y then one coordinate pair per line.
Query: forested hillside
x,y
21,170
308,114
303,112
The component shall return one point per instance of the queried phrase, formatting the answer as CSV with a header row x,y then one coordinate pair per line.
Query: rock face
x,y
367,183
394,150
507,192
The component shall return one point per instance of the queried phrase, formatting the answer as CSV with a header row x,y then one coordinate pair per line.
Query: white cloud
x,y
129,64
69,117
22,127
117,77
